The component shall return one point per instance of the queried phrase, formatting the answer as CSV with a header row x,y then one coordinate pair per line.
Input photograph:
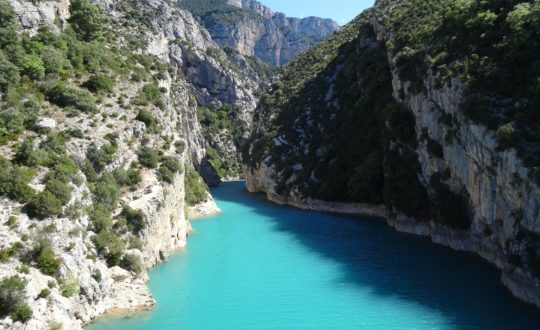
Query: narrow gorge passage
x,y
263,266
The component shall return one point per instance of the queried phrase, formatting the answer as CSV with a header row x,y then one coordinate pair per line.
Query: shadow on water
x,y
463,287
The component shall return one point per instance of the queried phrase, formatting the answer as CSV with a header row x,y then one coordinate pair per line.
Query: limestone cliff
x,y
380,119
255,30
108,142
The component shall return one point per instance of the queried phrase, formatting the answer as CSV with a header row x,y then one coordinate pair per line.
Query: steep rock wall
x,y
446,150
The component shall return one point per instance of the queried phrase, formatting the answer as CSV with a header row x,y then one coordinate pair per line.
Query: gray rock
x,y
46,123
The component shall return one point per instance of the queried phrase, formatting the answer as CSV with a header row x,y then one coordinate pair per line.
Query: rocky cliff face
x,y
257,31
459,184
168,65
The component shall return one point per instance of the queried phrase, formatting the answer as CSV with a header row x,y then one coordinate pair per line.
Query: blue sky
x,y
342,11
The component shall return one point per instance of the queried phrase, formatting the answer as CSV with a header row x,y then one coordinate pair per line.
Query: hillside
x,y
101,147
256,32
427,110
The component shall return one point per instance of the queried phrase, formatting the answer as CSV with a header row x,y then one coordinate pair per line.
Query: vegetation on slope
x,y
69,74
328,122
493,46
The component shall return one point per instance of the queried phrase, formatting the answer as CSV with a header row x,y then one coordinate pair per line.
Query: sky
x,y
341,11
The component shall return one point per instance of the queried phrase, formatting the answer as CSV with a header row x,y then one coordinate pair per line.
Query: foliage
x,y
99,83
47,262
12,296
87,19
101,157
148,119
129,178
14,182
212,12
263,70
490,45
45,205
64,95
149,94
100,216
136,220
148,157
45,293
70,288
328,118
110,246
133,263
196,189
226,117
169,167
105,192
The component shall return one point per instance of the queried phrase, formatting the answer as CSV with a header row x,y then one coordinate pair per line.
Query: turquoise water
x,y
262,266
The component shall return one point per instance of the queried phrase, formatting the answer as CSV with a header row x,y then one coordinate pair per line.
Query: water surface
x,y
263,266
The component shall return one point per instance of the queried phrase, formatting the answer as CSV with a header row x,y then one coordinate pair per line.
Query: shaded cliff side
x,y
427,108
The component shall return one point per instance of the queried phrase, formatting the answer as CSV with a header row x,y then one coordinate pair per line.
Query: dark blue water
x,y
263,266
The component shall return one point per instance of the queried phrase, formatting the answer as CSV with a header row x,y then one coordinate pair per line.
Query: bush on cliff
x,y
12,296
196,189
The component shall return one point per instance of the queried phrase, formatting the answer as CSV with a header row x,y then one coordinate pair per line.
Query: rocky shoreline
x,y
518,281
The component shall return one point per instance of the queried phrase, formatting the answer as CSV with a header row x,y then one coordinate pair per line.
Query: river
x,y
264,266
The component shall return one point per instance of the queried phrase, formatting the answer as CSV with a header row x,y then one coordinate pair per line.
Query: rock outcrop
x,y
85,286
271,37
440,173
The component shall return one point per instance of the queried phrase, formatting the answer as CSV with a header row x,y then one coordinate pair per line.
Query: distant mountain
x,y
255,30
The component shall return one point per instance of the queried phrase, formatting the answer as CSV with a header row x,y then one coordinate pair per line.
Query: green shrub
x,y
47,262
135,219
33,67
101,157
53,325
9,73
110,246
149,94
54,61
6,254
45,293
99,83
14,182
106,192
148,157
96,275
506,136
21,313
59,190
12,296
100,216
135,242
45,204
129,178
88,20
169,168
148,119
196,189
70,288
133,263
11,222
69,96
180,147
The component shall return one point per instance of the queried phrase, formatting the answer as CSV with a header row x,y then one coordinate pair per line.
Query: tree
x,y
87,19
9,73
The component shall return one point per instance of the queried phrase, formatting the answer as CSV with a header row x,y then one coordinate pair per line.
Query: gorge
x,y
116,117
